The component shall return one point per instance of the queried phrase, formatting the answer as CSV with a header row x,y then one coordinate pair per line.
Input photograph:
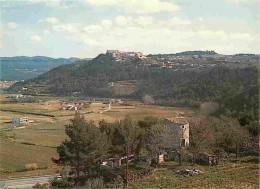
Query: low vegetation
x,y
31,166
243,174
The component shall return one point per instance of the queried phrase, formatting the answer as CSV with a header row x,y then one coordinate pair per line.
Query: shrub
x,y
94,183
2,170
55,183
118,182
31,166
134,175
38,185
209,107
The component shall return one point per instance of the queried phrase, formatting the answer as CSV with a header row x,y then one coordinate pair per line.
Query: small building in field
x,y
71,108
74,108
20,119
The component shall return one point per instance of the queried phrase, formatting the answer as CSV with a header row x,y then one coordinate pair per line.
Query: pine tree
x,y
83,151
130,133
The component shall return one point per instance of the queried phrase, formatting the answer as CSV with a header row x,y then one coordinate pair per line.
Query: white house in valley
x,y
20,119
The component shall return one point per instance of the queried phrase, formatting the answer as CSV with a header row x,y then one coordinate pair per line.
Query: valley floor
x,y
36,142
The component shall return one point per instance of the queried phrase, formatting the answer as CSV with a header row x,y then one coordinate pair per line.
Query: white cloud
x,y
12,25
145,20
52,20
46,31
106,23
208,34
85,39
50,3
148,6
93,28
36,38
1,39
241,36
243,2
122,20
101,2
53,3
71,28
237,36
37,1
137,6
201,19
178,21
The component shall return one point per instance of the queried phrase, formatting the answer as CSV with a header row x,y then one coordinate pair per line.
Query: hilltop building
x,y
121,55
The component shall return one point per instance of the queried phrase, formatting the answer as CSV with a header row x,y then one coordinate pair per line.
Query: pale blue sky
x,y
85,28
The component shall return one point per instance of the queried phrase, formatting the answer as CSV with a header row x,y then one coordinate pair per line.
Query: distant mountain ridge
x,y
185,53
197,53
24,67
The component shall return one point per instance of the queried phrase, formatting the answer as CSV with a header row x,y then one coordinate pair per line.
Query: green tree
x,y
200,136
130,133
151,137
217,136
83,151
233,135
114,136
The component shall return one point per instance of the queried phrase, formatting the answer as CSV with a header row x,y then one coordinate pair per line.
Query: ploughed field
x,y
27,149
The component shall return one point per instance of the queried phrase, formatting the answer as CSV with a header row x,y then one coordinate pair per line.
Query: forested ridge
x,y
221,84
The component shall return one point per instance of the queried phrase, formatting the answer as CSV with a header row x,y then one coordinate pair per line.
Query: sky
x,y
86,28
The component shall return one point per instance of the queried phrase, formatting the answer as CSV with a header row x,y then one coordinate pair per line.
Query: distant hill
x,y
185,53
104,76
23,67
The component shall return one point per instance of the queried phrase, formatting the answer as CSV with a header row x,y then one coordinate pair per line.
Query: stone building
x,y
176,137
178,132
121,55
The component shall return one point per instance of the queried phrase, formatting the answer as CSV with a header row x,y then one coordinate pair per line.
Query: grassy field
x,y
244,174
14,157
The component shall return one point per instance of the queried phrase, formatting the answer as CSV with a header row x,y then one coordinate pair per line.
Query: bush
x,y
31,166
118,182
209,107
108,174
55,183
134,175
2,170
41,185
94,183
